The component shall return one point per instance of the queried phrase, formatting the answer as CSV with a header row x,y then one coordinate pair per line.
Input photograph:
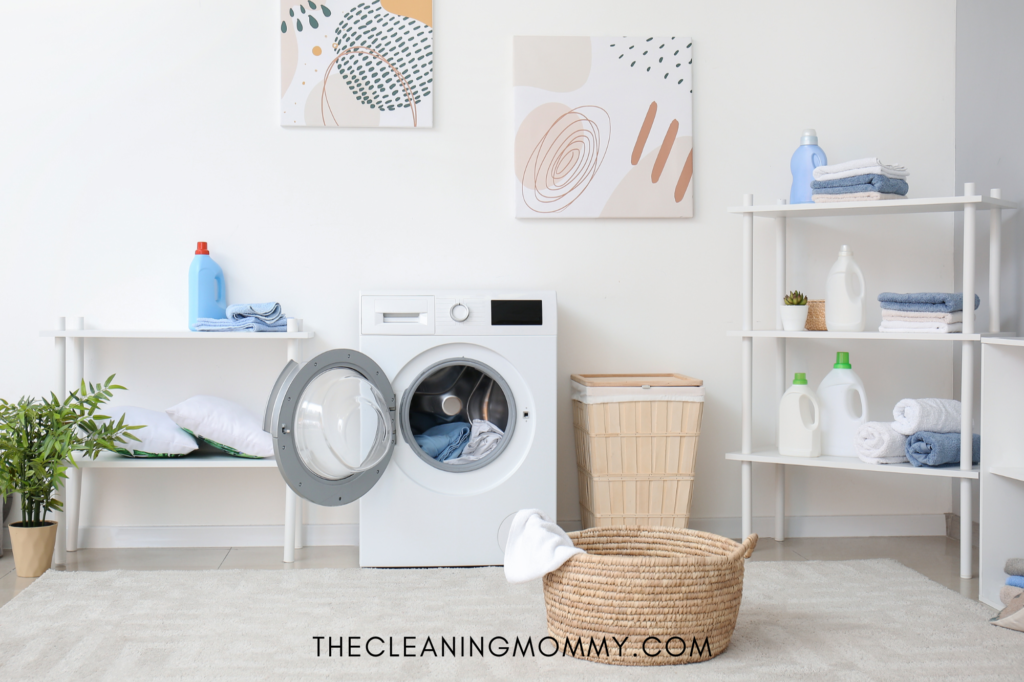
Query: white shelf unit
x,y
70,370
1002,467
970,203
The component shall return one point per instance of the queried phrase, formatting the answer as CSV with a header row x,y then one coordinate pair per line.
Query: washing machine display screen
x,y
514,313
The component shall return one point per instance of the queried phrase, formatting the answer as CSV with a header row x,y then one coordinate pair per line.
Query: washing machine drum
x,y
333,425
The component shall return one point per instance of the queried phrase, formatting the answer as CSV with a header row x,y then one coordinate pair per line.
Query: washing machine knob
x,y
459,312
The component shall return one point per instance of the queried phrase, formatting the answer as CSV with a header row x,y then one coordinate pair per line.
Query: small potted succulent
x,y
39,439
794,312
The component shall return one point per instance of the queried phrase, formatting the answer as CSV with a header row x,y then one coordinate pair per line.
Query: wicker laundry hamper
x,y
636,447
673,584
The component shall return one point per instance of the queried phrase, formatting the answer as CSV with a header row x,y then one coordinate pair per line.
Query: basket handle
x,y
746,548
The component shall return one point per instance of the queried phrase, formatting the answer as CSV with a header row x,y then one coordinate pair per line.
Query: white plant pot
x,y
794,317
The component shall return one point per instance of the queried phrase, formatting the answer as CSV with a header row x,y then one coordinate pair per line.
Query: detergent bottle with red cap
x,y
206,297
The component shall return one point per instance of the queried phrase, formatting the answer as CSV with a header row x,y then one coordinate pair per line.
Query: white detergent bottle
x,y
840,395
799,420
844,295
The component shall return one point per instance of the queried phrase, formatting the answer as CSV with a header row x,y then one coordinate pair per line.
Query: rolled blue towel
x,y
1015,581
925,302
861,183
268,313
245,324
445,441
928,449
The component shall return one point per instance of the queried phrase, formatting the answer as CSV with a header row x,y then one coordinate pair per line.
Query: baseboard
x,y
895,525
953,528
108,537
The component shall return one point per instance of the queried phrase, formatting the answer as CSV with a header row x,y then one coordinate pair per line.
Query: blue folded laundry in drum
x,y
445,441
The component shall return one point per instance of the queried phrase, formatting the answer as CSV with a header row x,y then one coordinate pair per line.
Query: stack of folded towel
x,y
1012,596
927,313
924,432
860,180
250,317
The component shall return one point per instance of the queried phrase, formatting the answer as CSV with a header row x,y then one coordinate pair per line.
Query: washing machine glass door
x,y
333,425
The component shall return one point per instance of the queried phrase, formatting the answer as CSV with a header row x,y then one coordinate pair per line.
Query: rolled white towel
x,y
879,443
927,414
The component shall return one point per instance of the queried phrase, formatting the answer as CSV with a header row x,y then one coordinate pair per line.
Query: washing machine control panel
x,y
459,314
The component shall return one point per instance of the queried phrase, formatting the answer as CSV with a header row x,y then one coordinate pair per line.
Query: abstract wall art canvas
x,y
361,64
603,127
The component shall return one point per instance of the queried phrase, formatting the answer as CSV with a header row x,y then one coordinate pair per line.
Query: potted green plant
x,y
39,438
794,312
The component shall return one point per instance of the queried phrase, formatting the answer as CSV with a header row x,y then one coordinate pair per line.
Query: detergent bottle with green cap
x,y
844,407
206,296
799,420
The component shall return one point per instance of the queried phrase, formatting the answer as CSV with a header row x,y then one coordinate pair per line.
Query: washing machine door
x,y
333,425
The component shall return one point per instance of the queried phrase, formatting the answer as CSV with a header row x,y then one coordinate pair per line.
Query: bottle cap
x,y
799,379
842,361
201,249
845,250
810,136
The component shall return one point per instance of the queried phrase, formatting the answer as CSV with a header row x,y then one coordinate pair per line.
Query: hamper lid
x,y
617,388
635,380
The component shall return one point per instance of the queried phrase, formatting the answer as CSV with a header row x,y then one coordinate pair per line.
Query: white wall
x,y
990,152
135,129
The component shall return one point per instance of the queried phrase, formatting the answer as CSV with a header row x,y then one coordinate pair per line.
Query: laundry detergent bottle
x,y
806,158
841,395
206,296
844,295
799,420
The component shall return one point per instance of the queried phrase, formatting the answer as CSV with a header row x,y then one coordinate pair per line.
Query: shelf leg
x,y
60,390
995,238
289,524
966,529
295,355
780,502
747,520
72,505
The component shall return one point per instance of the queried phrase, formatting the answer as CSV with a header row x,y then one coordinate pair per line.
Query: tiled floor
x,y
935,557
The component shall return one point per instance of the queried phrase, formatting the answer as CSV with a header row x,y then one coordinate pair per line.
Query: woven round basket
x,y
816,315
669,595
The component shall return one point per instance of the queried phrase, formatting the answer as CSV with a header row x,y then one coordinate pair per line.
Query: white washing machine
x,y
388,424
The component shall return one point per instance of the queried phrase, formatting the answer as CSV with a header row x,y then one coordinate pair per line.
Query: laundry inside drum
x,y
460,416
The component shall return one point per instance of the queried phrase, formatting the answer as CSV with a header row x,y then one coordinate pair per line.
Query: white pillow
x,y
161,437
223,423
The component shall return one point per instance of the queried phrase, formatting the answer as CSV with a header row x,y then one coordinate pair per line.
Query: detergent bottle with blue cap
x,y
206,295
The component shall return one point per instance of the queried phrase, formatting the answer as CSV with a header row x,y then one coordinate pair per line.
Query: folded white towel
x,y
849,169
921,327
879,443
926,414
854,196
536,546
910,316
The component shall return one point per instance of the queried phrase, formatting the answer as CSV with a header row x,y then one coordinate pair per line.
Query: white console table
x,y
70,371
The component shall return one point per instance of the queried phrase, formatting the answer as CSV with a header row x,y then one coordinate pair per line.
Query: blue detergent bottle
x,y
206,297
806,158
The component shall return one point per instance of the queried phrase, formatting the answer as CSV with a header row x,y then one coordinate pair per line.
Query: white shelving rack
x,y
70,370
1002,467
969,203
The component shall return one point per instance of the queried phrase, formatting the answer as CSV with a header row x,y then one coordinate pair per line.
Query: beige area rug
x,y
850,620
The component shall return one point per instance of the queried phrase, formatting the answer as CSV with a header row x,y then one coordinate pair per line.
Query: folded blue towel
x,y
928,449
245,324
861,183
925,302
445,441
267,313
1015,581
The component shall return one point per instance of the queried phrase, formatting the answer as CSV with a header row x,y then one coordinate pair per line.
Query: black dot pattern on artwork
x,y
663,68
404,42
